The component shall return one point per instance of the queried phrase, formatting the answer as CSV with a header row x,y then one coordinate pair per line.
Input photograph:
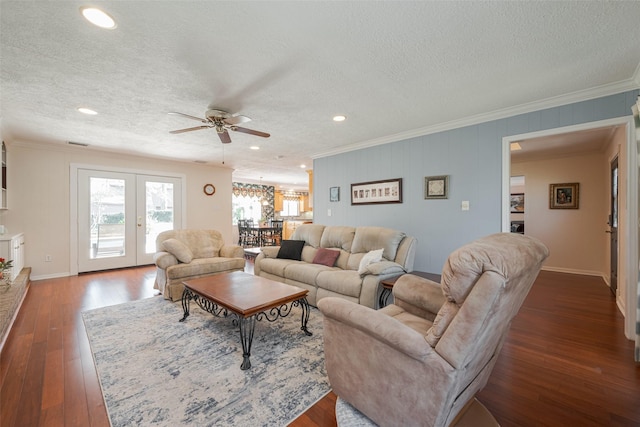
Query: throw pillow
x,y
178,249
291,249
369,258
326,257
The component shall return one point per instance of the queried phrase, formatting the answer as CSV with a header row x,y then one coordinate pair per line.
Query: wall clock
x,y
209,189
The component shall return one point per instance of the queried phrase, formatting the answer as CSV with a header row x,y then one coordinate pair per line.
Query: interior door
x,y
613,227
120,215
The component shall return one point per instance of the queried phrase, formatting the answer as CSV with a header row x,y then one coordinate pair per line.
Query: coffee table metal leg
x,y
186,298
305,315
247,327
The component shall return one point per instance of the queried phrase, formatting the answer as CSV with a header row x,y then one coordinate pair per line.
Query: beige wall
x,y
38,197
576,238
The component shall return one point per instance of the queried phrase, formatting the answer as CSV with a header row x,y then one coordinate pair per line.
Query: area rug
x,y
157,371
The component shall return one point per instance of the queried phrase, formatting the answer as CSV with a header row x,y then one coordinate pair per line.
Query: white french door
x,y
120,214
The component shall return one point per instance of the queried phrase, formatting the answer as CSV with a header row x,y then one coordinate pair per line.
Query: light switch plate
x,y
465,205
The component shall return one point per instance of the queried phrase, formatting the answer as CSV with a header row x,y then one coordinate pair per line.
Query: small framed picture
x,y
334,194
436,187
517,203
564,196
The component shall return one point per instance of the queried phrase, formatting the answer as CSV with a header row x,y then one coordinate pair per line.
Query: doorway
x,y
120,214
628,197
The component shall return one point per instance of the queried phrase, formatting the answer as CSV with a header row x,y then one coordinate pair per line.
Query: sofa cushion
x,y
310,233
291,249
326,257
202,266
369,258
370,238
338,237
303,272
178,249
344,282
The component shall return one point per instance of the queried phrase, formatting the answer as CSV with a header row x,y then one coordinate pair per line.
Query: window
x,y
290,207
246,208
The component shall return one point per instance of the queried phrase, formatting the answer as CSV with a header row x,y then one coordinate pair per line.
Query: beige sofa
x,y
189,254
343,279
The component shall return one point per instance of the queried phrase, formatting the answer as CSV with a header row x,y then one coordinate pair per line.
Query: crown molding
x,y
556,101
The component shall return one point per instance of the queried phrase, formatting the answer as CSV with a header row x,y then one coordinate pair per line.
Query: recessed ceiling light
x,y
87,111
98,17
303,166
339,118
515,146
254,147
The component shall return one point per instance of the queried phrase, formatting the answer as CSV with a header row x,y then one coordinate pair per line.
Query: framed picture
x,y
564,196
436,187
334,194
517,203
373,192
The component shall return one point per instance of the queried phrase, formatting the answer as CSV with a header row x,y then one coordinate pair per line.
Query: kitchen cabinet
x,y
278,199
12,248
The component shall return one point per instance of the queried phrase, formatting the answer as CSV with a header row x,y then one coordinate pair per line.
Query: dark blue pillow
x,y
291,249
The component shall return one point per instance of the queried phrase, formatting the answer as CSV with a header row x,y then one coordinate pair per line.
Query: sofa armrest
x,y
164,260
377,325
384,268
419,296
231,251
270,251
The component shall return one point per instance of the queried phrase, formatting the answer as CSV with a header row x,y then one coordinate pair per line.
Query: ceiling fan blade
x,y
235,120
189,129
224,137
250,131
200,119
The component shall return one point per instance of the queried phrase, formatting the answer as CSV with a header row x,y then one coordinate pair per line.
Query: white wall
x,y
38,197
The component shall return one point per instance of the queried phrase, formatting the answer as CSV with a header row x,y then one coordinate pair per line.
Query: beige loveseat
x,y
343,279
189,254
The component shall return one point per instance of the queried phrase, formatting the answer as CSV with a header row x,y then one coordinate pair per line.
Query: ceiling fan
x,y
221,121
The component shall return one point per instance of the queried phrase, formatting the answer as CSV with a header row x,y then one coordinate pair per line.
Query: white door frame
x,y
630,251
73,201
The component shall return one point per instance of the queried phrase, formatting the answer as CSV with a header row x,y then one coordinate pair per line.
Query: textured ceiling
x,y
395,69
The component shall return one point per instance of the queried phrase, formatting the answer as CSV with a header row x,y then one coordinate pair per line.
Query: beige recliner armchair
x,y
421,360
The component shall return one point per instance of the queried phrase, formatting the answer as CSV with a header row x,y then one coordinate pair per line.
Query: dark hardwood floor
x,y
565,361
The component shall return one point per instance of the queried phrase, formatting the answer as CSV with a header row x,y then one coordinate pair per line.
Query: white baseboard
x,y
604,276
50,276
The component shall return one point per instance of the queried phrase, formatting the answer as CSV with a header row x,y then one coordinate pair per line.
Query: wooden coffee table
x,y
247,298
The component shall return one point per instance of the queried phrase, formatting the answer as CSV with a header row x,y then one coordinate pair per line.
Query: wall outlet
x,y
47,258
328,212
465,205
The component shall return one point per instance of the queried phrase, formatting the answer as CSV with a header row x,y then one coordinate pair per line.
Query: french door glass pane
x,y
107,219
159,211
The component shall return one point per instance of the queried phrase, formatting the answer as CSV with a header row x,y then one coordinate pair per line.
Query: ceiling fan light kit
x,y
221,121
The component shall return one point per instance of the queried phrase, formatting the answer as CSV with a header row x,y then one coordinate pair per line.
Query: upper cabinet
x,y
278,201
3,183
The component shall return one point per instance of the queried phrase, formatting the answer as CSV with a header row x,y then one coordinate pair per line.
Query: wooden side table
x,y
387,284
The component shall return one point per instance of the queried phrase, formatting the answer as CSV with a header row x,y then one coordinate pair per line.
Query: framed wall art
x,y
564,196
334,194
436,187
517,203
373,192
